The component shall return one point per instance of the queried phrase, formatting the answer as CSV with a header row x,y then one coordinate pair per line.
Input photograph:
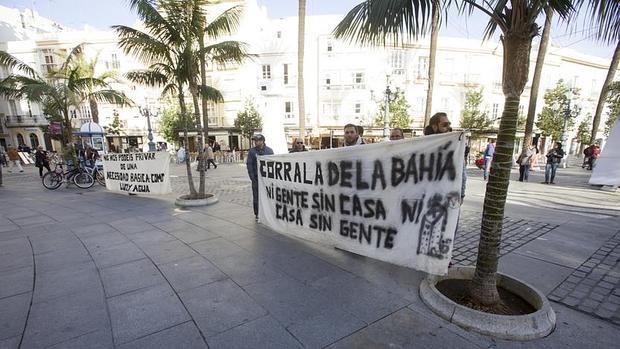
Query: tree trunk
x,y
540,61
300,69
94,110
515,70
203,84
190,178
431,62
202,168
604,92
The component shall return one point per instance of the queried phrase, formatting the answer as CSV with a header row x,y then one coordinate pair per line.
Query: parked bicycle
x,y
96,171
78,175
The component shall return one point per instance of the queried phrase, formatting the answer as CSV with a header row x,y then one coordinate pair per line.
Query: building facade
x,y
344,83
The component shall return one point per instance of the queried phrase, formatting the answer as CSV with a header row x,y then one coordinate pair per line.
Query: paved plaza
x,y
94,269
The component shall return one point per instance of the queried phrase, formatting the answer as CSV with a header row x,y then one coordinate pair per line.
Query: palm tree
x,y
301,99
540,62
62,89
431,60
87,69
379,21
168,55
606,17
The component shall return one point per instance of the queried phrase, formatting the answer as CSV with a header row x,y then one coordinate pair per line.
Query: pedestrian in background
x,y
260,148
594,154
488,157
41,160
525,161
554,157
396,134
14,160
210,157
298,146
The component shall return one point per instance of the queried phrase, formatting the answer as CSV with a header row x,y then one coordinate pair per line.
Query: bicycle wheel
x,y
83,180
99,177
52,180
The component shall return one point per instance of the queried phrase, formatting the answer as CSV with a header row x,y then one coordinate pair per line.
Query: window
x,y
285,74
115,64
212,113
330,109
330,46
358,80
267,71
12,107
423,67
20,139
328,81
48,56
279,34
397,62
34,140
495,111
73,113
358,108
85,112
289,113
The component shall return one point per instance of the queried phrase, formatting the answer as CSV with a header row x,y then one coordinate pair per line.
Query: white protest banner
x,y
141,173
394,201
606,170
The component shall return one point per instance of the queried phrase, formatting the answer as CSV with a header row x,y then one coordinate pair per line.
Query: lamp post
x,y
567,116
146,112
389,97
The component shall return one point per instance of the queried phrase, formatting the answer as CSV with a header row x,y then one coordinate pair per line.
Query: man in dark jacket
x,y
554,157
259,149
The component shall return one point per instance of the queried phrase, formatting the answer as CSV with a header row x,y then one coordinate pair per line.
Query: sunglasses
x,y
300,142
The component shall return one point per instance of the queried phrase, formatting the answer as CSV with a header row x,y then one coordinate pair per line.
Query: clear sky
x,y
104,13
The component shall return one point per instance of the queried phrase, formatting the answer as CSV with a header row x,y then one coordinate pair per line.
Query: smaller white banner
x,y
607,167
138,173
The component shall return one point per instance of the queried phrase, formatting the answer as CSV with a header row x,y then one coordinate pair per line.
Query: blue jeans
x,y
524,172
487,166
550,172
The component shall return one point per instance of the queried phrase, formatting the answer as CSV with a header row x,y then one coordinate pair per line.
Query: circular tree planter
x,y
538,324
187,201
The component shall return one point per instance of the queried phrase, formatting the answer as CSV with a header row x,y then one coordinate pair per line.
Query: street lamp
x,y
146,112
389,97
567,116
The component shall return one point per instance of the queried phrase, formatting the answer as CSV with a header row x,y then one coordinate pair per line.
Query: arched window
x,y
20,139
34,140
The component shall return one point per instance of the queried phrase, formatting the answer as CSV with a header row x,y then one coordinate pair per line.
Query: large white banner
x,y
607,167
394,201
138,173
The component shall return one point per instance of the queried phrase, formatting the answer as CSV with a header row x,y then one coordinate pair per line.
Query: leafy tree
x,y
248,120
472,118
116,126
399,114
583,130
613,101
553,115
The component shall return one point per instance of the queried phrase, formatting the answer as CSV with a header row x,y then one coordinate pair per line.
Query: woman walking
x,y
554,157
41,160
525,161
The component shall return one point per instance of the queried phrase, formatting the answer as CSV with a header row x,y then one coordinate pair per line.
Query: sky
x,y
102,14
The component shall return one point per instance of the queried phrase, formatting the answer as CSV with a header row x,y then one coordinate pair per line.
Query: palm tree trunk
x,y
431,62
188,167
201,144
300,68
203,99
94,110
604,92
540,61
515,70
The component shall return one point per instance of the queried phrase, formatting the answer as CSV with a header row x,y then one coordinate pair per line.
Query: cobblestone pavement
x,y
594,287
516,233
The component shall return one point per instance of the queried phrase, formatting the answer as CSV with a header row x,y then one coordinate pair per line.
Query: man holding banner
x,y
259,149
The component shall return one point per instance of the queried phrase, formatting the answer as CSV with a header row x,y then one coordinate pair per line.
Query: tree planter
x,y
519,327
186,201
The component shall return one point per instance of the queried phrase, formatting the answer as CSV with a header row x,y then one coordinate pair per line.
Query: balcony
x,y
25,121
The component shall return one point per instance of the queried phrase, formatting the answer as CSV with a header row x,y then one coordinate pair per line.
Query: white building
x,y
343,83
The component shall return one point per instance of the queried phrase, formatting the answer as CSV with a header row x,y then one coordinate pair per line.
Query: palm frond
x,y
228,52
141,45
604,19
211,94
74,55
11,62
225,24
378,22
147,77
110,96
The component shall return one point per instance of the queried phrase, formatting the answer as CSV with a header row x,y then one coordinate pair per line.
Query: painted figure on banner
x,y
351,136
431,240
259,149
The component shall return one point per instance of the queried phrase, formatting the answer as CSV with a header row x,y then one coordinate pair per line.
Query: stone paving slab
x,y
594,287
